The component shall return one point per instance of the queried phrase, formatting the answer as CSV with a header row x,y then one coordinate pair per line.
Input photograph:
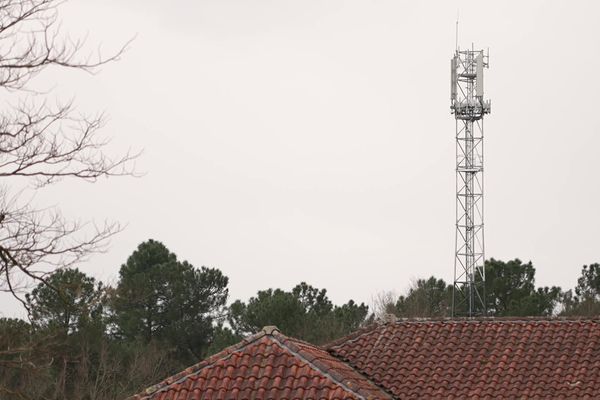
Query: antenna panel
x,y
479,78
453,79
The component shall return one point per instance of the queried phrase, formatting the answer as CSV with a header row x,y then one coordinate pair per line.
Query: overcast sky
x,y
289,141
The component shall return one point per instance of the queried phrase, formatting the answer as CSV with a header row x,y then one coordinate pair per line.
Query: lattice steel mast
x,y
469,107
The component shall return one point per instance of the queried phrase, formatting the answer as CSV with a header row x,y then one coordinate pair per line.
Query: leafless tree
x,y
42,142
382,304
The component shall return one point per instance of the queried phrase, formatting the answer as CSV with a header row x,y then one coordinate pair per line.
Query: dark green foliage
x,y
58,353
68,331
510,290
78,348
70,301
586,300
426,298
160,298
588,284
348,318
223,337
305,312
13,332
314,301
269,307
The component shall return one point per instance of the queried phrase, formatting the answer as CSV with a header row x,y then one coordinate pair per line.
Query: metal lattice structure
x,y
469,107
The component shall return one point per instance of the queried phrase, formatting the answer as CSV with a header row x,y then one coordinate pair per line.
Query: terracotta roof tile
x,y
268,365
488,358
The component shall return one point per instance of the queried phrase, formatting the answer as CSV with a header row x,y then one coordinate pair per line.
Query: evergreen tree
x,y
430,297
586,300
68,301
510,290
305,312
161,298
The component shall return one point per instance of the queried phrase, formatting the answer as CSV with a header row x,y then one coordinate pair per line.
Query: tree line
x,y
87,340
510,291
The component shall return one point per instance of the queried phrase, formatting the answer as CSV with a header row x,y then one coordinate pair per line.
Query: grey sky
x,y
290,141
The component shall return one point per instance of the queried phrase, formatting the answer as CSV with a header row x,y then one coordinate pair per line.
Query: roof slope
x,y
553,358
267,365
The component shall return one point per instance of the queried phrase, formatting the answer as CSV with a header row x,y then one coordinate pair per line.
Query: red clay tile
x,y
504,358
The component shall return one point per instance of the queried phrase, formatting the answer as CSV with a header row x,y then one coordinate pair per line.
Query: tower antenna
x,y
456,42
469,107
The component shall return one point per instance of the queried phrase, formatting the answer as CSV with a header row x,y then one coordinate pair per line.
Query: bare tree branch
x,y
41,144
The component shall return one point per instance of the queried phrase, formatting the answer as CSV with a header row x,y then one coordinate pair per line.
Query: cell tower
x,y
469,107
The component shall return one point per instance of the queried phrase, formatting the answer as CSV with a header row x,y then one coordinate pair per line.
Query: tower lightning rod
x,y
469,107
456,42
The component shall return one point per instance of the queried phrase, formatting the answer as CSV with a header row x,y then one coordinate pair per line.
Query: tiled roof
x,y
554,358
267,365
